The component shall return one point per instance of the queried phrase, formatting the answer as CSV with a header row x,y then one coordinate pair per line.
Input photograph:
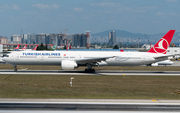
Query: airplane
x,y
54,48
69,60
60,46
17,48
24,48
29,49
35,48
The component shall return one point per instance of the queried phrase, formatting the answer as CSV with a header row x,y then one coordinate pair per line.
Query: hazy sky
x,y
46,16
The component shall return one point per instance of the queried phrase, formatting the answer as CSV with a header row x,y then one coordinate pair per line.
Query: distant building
x,y
48,38
24,39
3,40
32,39
28,38
54,39
40,38
112,38
75,40
173,50
16,39
80,40
1,49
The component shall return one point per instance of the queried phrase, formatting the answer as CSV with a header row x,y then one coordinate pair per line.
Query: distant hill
x,y
119,33
134,36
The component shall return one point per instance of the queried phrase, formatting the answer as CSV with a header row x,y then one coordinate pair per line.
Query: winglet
x,y
162,45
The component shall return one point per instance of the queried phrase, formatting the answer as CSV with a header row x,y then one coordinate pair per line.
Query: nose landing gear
x,y
15,68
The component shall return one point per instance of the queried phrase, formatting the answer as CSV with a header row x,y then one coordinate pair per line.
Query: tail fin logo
x,y
162,46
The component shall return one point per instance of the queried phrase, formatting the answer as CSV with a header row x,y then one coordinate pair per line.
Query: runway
x,y
98,72
89,105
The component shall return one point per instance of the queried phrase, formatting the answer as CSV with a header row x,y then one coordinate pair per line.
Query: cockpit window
x,y
6,56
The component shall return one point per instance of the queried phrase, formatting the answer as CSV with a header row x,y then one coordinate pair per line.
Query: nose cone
x,y
5,59
2,60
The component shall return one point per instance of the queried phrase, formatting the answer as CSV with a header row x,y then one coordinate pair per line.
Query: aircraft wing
x,y
164,56
92,60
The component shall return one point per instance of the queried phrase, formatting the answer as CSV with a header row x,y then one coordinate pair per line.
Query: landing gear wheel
x,y
93,70
89,70
15,69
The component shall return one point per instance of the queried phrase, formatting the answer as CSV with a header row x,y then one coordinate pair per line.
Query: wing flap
x,y
92,60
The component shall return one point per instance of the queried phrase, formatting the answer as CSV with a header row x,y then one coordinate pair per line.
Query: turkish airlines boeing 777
x,y
73,59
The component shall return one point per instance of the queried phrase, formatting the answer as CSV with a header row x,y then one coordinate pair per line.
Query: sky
x,y
78,16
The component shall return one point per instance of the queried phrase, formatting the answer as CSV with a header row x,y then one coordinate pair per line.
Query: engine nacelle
x,y
154,64
68,65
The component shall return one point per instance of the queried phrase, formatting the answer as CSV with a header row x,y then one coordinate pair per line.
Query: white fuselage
x,y
55,58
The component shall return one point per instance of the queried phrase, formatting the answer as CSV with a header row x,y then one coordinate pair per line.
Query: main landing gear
x,y
89,69
15,68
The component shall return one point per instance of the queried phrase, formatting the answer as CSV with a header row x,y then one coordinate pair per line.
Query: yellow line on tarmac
x,y
154,100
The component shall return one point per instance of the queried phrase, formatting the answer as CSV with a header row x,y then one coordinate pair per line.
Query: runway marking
x,y
154,100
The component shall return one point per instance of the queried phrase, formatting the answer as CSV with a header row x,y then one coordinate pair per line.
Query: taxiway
x,y
89,105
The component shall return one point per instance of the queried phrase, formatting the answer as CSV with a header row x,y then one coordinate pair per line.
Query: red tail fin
x,y
24,47
162,45
17,46
35,47
122,50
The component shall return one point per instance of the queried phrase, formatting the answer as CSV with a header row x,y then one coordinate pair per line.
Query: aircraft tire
x,y
15,70
86,70
92,70
89,70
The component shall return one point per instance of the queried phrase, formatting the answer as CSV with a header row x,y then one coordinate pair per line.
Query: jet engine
x,y
68,65
154,64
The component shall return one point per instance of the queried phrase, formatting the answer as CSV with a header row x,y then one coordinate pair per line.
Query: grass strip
x,y
89,87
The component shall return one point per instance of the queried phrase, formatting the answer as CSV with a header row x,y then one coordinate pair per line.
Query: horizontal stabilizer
x,y
164,56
